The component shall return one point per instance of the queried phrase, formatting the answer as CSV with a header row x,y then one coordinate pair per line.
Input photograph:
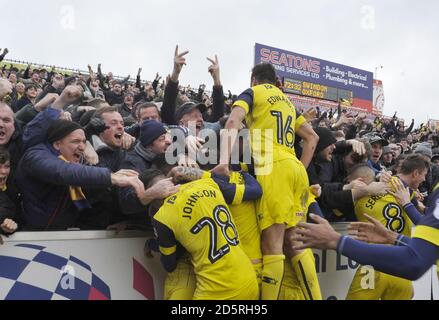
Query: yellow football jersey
x,y
201,222
245,217
273,122
386,210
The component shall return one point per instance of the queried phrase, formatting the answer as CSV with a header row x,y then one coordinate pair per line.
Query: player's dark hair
x,y
415,162
106,109
264,73
398,162
147,178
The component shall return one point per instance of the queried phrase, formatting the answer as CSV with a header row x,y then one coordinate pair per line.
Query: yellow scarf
x,y
76,194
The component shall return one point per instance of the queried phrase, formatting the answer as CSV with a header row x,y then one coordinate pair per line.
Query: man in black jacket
x,y
397,130
126,108
17,94
50,173
329,169
190,114
169,110
115,95
147,94
108,139
30,95
153,142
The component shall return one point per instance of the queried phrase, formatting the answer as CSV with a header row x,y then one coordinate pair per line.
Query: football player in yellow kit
x,y
244,214
198,218
273,123
292,283
408,258
393,216
180,284
374,232
243,211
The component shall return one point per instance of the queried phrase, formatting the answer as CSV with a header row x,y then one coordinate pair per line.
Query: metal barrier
x,y
24,64
49,67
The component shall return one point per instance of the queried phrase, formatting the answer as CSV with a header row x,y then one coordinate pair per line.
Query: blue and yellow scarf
x,y
76,194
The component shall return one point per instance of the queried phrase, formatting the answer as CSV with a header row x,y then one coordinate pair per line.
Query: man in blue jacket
x,y
50,174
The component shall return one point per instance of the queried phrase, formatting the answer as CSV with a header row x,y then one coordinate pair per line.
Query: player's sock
x,y
272,274
304,266
258,271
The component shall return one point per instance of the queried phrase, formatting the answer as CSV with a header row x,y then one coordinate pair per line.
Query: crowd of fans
x,y
115,130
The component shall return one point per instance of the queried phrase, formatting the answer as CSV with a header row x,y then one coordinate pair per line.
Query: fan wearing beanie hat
x,y
152,144
326,144
51,177
153,135
68,138
425,149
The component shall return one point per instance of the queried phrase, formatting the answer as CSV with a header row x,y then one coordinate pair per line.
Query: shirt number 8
x,y
393,214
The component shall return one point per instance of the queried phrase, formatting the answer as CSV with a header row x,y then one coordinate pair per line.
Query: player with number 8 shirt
x,y
395,216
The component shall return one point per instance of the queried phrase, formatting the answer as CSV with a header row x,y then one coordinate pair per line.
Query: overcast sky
x,y
400,35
